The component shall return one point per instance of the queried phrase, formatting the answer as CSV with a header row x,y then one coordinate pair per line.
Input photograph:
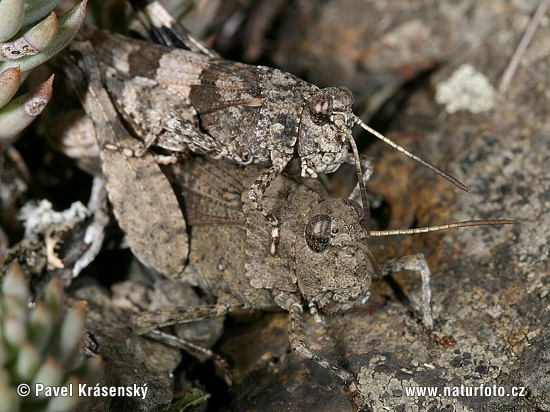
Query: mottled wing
x,y
208,83
143,201
223,83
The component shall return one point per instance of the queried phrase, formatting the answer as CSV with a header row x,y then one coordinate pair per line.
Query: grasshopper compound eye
x,y
317,232
321,108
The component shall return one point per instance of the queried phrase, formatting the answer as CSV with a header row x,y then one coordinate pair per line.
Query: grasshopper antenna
x,y
430,166
441,227
364,199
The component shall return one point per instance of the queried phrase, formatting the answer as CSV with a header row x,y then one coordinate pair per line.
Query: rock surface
x,y
490,285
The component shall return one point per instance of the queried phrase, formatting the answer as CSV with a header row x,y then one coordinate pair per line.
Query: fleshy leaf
x,y
9,400
11,18
69,24
37,9
53,298
14,284
10,80
28,361
31,42
71,333
192,398
20,112
65,403
40,325
50,373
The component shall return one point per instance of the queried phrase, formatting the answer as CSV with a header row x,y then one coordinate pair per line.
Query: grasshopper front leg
x,y
300,344
256,192
418,263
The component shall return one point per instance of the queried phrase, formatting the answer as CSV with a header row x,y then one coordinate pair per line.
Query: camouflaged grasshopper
x,y
179,100
323,260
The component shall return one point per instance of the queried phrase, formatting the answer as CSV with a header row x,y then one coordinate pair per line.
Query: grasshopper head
x,y
333,264
324,129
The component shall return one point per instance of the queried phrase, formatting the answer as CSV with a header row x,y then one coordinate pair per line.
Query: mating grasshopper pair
x,y
175,101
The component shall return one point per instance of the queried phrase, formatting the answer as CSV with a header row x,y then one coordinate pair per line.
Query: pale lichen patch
x,y
467,89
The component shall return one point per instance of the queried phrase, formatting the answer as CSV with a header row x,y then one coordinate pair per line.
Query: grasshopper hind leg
x,y
418,263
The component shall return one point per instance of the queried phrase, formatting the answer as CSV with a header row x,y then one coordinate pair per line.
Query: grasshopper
x,y
323,261
178,100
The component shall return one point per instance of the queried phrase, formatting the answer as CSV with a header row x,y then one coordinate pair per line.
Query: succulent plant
x,y
41,344
22,50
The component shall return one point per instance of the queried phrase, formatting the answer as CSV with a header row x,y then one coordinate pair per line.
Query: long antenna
x,y
430,166
441,227
364,199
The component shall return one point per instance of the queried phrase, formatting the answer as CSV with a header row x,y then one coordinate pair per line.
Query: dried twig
x,y
518,54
